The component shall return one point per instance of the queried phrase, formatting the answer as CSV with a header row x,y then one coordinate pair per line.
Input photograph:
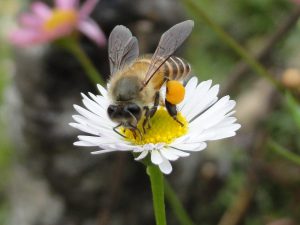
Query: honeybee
x,y
135,82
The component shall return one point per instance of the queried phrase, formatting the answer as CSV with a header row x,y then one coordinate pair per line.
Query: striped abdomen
x,y
176,68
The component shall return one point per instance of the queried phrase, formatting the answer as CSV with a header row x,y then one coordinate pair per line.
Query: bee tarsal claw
x,y
175,118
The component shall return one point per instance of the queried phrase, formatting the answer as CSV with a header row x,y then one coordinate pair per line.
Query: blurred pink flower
x,y
44,24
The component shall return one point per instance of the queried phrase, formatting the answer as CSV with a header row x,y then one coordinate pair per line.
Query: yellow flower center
x,y
164,129
60,18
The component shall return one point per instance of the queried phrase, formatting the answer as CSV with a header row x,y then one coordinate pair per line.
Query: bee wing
x,y
122,48
169,42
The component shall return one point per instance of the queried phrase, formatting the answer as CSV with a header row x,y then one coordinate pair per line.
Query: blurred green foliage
x,y
6,67
294,108
250,22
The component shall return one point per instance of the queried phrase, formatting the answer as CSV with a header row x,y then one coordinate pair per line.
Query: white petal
x,y
189,91
165,167
182,139
95,127
184,146
193,147
84,128
87,114
138,149
123,146
142,155
227,121
156,157
222,132
217,133
96,140
179,153
103,102
223,129
84,144
104,125
223,135
213,115
168,154
149,147
94,106
203,102
103,151
198,93
225,126
102,90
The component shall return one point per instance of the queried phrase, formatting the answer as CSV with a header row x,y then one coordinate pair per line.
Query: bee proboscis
x,y
135,82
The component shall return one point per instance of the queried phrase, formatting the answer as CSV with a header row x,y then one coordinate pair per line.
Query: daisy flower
x,y
203,115
44,24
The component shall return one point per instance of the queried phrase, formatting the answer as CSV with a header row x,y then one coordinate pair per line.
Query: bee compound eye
x,y
111,110
134,109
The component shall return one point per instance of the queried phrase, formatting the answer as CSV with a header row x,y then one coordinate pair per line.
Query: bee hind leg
x,y
172,110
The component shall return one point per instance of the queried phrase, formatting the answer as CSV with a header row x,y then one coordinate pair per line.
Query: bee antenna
x,y
115,130
147,81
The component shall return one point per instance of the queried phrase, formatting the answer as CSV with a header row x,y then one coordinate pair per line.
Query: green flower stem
x,y
157,186
284,152
255,65
176,206
73,46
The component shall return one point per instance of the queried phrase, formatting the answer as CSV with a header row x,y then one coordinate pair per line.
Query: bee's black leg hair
x,y
134,133
172,110
134,129
115,130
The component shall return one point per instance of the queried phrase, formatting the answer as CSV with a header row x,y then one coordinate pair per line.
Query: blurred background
x,y
251,179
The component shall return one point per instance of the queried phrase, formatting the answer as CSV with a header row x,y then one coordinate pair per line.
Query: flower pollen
x,y
61,18
164,129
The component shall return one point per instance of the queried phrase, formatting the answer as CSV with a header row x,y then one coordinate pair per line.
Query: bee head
x,y
126,114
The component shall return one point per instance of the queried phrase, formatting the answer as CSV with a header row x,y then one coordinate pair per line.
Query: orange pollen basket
x,y
175,92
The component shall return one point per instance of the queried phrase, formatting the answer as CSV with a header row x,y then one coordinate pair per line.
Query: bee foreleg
x,y
149,113
133,130
146,120
172,110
